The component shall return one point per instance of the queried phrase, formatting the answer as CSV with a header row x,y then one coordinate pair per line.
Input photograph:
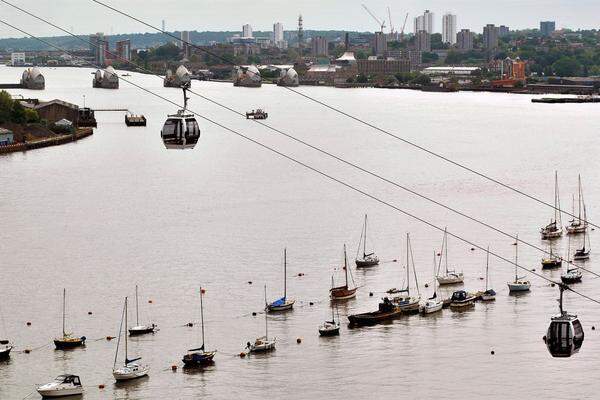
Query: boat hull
x,y
68,344
50,393
198,359
574,229
262,348
518,287
432,308
547,235
551,264
450,279
342,293
279,308
570,279
366,263
461,305
375,317
135,331
127,374
329,331
5,353
488,297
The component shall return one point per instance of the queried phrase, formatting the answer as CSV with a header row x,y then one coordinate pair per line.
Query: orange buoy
x,y
203,290
101,386
150,301
242,354
173,367
299,340
110,337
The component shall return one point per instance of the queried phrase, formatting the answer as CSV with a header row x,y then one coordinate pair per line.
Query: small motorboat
x,y
63,385
461,300
387,311
5,348
573,275
257,114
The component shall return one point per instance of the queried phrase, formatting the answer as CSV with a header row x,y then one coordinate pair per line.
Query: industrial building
x,y
55,110
17,59
320,46
457,71
383,67
123,50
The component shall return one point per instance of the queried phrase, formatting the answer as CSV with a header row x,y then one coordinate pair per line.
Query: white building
x,y
449,28
185,38
247,31
277,32
424,22
17,59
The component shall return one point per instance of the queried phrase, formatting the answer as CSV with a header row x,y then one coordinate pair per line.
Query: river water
x,y
114,210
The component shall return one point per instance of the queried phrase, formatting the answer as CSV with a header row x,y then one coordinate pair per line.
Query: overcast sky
x,y
85,16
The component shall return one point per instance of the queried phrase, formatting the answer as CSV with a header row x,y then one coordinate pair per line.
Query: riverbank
x,y
80,133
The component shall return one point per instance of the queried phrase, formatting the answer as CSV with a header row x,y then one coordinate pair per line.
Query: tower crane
x,y
403,26
390,21
381,23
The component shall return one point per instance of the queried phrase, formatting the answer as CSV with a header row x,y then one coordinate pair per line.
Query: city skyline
x,y
335,15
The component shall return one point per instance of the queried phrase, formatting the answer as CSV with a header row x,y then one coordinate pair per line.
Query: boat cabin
x,y
69,379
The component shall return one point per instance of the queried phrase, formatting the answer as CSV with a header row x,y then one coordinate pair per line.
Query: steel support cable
x,y
359,120
309,167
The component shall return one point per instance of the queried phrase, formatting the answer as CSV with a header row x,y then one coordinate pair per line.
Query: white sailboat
x,y
572,274
140,329
579,224
520,284
130,369
282,304
402,298
262,344
554,229
450,277
367,259
489,294
433,304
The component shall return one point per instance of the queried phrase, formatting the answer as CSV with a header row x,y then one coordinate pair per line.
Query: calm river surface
x,y
114,210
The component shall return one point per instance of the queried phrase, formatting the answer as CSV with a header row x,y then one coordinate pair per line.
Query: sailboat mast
x,y
434,271
346,266
487,267
579,198
516,256
202,317
126,328
407,266
64,309
266,324
137,313
284,272
446,248
365,242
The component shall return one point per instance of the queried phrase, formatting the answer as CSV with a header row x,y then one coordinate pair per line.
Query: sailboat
x,y
367,259
5,345
342,292
140,329
130,369
262,344
199,357
406,302
67,341
451,277
433,304
552,261
282,304
572,275
554,229
489,294
584,252
579,224
520,284
330,328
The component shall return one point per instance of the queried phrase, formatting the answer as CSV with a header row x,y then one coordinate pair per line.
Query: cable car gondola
x,y
565,333
181,130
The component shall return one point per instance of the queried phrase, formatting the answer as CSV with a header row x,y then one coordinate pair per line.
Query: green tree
x,y
362,78
429,57
6,104
567,66
361,55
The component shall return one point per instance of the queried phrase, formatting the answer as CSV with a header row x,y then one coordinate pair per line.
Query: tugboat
x,y
67,341
387,311
140,329
342,292
199,357
368,259
257,114
63,385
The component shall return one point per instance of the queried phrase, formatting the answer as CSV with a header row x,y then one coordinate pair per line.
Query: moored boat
x,y
330,328
283,303
552,261
450,277
572,275
263,343
432,304
140,329
62,386
199,357
343,292
130,369
520,284
489,294
403,299
387,311
461,300
578,224
584,252
554,229
5,348
67,340
367,259
257,114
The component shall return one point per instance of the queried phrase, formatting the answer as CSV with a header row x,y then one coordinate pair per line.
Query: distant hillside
x,y
143,40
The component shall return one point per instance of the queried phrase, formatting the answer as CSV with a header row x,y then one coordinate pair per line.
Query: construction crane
x,y
390,21
403,26
381,23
